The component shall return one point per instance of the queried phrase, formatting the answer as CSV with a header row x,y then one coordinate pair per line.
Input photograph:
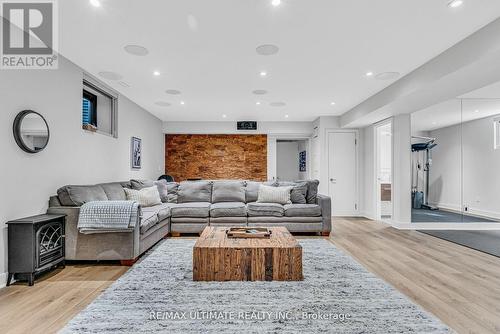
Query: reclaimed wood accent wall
x,y
216,157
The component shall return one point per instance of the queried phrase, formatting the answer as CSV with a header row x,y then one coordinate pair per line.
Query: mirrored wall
x,y
456,160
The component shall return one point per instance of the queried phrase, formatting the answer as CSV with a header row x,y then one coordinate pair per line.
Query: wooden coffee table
x,y
219,258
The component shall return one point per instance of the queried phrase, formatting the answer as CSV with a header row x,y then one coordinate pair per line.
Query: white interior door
x,y
342,173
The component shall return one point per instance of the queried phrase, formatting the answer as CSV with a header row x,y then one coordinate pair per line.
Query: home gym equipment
x,y
421,162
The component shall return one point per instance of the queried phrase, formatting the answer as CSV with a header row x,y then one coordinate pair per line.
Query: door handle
x,y
333,180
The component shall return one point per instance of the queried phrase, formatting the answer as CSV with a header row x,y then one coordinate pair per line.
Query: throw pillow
x,y
299,191
312,191
268,194
139,184
144,197
167,190
252,190
172,189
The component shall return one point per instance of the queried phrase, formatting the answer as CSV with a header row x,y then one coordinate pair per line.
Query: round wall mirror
x,y
31,131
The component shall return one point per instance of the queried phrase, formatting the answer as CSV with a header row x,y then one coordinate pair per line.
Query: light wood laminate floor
x,y
55,298
459,285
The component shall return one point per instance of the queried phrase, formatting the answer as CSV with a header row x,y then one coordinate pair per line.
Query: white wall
x,y
479,177
271,158
401,171
229,127
368,167
315,156
287,161
303,146
73,156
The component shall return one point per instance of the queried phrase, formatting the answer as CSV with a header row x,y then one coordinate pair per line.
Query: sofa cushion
x,y
139,184
265,209
162,190
163,210
302,210
190,210
79,195
312,191
145,197
167,190
228,191
280,195
252,191
172,190
228,209
149,218
194,191
299,191
114,191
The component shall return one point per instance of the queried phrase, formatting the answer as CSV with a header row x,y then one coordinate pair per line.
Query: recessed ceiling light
x,y
476,110
267,50
277,104
136,50
332,103
455,3
173,91
259,92
434,123
124,84
257,103
369,74
183,103
110,75
286,116
276,3
162,104
95,3
192,23
263,73
156,73
387,76
224,116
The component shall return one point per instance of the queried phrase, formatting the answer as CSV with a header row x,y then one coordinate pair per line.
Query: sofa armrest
x,y
100,246
73,212
325,202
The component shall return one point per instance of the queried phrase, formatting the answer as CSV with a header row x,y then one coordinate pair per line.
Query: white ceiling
x,y
481,103
206,49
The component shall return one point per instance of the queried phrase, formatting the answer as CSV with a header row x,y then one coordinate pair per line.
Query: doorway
x,y
343,172
383,170
291,159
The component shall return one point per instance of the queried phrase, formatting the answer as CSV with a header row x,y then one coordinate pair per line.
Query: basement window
x,y
496,128
99,108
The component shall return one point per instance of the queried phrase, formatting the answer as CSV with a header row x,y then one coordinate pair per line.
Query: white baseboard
x,y
3,280
448,226
471,211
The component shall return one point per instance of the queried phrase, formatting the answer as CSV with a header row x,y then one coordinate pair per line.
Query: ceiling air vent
x,y
246,125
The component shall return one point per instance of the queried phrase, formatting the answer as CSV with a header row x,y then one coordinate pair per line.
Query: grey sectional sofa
x,y
188,208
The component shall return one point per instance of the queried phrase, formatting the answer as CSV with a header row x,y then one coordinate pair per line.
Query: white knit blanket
x,y
108,216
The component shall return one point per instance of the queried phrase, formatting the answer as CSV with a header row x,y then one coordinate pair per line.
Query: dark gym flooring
x,y
484,241
440,216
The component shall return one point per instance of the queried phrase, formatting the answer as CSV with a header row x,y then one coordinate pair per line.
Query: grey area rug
x,y
337,296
